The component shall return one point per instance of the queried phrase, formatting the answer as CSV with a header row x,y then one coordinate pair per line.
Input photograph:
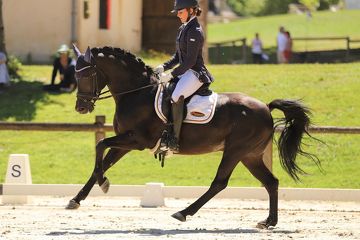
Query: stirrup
x,y
173,144
164,146
168,142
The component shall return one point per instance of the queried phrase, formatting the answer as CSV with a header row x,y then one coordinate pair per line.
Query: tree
x,y
311,4
325,4
277,6
2,35
260,7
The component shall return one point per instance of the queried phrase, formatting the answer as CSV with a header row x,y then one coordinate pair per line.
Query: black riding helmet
x,y
181,4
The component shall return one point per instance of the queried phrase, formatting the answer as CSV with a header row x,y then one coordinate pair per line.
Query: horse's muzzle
x,y
84,107
81,110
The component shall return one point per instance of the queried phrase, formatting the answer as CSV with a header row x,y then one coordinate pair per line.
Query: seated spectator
x,y
4,74
65,65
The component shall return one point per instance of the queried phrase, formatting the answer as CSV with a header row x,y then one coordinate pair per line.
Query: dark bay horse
x,y
242,127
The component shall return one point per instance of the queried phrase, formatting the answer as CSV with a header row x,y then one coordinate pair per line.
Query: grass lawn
x,y
67,157
322,24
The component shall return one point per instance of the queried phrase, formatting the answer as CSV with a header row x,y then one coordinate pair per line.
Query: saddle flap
x,y
199,109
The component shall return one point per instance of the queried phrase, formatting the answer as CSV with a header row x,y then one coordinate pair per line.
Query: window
x,y
104,13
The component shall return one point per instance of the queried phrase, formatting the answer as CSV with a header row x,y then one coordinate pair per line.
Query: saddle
x,y
200,106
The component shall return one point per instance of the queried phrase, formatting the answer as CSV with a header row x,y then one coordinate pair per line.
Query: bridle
x,y
95,95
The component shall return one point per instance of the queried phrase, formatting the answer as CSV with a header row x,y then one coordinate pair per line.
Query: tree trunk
x,y
2,32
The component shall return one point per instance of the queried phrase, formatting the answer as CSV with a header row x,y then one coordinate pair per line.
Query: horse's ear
x,y
76,51
88,55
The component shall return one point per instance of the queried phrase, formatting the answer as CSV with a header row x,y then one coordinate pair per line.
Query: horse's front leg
x,y
124,141
110,159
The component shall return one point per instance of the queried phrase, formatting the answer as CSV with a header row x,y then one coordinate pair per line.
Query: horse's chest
x,y
130,119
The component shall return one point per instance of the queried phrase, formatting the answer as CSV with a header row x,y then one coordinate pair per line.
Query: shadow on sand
x,y
160,232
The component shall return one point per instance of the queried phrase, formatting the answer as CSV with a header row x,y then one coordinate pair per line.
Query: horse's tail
x,y
296,123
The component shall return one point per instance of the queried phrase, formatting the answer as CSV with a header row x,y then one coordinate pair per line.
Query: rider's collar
x,y
189,20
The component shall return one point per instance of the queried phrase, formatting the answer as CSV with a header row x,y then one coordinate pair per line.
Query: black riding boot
x,y
177,109
171,135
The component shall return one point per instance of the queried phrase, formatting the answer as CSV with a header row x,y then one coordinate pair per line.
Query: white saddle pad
x,y
200,109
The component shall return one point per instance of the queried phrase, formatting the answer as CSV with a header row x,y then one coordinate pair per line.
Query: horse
x,y
241,127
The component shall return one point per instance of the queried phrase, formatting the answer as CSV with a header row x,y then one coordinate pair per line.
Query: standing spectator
x,y
281,42
4,75
256,49
65,65
288,50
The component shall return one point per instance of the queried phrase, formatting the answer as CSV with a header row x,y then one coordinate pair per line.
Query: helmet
x,y
180,4
63,49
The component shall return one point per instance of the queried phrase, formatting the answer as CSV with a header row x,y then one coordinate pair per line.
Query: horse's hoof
x,y
266,224
72,205
179,217
105,185
262,225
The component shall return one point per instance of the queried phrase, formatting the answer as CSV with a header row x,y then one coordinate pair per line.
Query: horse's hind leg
x,y
258,169
110,159
226,167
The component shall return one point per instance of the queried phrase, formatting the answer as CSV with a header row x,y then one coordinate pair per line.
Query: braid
x,y
198,11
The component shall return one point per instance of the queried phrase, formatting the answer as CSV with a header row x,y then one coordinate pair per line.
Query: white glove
x,y
165,77
159,69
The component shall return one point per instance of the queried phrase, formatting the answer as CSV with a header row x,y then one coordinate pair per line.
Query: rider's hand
x,y
159,69
165,77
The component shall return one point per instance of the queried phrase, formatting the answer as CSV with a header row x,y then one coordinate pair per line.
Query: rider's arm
x,y
174,60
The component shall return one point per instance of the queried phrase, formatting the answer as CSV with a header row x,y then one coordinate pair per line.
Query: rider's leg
x,y
177,110
187,85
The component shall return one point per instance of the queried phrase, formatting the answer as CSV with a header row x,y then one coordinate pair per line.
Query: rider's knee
x,y
175,98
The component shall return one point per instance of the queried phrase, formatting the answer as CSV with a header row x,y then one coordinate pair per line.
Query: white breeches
x,y
187,85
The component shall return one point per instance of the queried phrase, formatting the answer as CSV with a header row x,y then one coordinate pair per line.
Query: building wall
x,y
49,25
125,27
35,28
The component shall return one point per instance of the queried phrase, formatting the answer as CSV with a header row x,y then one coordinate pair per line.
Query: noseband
x,y
89,98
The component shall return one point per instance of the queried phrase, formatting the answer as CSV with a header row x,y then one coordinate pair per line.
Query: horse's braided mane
x,y
122,56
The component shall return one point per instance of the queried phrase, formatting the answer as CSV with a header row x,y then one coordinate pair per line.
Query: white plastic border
x,y
320,194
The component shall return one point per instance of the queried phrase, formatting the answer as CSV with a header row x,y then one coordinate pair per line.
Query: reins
x,y
126,92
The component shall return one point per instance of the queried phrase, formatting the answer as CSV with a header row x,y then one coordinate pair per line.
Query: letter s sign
x,y
16,171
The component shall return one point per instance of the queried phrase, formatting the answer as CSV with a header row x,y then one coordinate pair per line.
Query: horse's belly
x,y
200,148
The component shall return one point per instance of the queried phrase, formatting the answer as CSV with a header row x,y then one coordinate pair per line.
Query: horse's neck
x,y
142,97
133,109
129,85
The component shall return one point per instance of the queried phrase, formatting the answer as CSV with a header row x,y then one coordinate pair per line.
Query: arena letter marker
x,y
18,172
153,195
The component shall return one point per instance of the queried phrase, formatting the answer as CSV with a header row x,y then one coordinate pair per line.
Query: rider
x,y
191,71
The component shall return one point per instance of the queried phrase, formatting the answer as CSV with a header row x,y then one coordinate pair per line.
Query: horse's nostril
x,y
80,109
